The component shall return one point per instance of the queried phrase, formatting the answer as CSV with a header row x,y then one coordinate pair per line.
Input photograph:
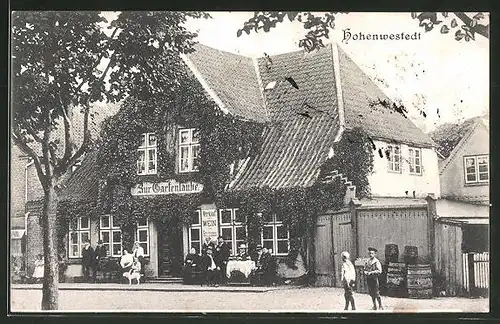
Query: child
x,y
39,268
348,278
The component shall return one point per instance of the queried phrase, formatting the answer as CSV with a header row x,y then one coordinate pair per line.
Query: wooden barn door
x,y
341,242
323,252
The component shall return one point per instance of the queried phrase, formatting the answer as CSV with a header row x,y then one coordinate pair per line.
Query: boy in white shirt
x,y
348,278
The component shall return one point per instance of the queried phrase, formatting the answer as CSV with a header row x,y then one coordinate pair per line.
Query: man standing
x,y
348,279
372,270
100,255
222,252
87,260
210,269
206,245
138,252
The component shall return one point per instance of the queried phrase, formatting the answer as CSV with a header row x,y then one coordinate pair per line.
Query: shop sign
x,y
166,188
209,226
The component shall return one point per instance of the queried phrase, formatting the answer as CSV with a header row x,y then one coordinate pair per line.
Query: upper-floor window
x,y
415,160
189,148
79,233
146,162
111,236
477,169
394,158
195,232
275,235
232,228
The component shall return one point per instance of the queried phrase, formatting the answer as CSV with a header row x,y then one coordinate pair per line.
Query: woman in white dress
x,y
39,268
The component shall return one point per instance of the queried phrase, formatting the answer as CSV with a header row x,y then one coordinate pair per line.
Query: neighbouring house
x,y
306,104
462,213
27,192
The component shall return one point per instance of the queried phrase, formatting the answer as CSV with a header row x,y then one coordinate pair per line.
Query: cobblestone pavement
x,y
282,300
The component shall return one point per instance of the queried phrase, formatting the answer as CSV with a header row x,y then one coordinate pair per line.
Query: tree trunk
x,y
50,292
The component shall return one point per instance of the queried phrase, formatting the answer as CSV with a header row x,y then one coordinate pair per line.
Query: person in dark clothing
x,y
373,269
222,253
100,255
210,269
87,261
191,263
268,266
206,245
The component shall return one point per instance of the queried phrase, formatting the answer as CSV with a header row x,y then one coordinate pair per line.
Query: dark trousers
x,y
223,275
141,260
348,294
86,272
373,286
212,276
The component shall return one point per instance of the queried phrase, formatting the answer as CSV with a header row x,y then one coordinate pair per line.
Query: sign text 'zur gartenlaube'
x,y
166,188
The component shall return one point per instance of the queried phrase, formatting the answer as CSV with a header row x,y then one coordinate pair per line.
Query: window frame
x,y
196,226
190,145
275,223
111,229
146,148
390,162
476,173
412,160
79,230
233,225
137,236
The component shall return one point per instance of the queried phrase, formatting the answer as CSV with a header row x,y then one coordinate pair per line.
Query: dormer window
x,y
477,169
189,148
146,162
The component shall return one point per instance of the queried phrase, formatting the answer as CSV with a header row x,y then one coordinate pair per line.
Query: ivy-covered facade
x,y
249,149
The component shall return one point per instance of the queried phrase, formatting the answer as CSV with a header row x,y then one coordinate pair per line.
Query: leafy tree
x,y
318,25
62,63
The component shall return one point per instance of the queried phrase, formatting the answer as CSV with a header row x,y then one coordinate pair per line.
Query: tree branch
x,y
85,144
478,28
67,132
18,140
97,62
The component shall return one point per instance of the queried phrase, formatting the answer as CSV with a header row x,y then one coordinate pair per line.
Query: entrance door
x,y
169,252
323,256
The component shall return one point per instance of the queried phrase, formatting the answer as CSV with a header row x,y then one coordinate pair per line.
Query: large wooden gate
x,y
342,233
476,273
323,252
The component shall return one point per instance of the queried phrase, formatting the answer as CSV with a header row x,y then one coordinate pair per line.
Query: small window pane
x,y
412,169
142,222
143,140
152,140
85,237
75,251
84,222
196,246
268,245
282,247
185,136
74,238
145,247
225,217
417,153
195,234
226,233
396,150
483,176
143,235
470,162
117,236
105,222
105,237
267,233
117,249
196,136
238,217
471,177
417,169
240,233
282,232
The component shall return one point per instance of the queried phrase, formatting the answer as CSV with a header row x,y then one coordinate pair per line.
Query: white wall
x,y
384,183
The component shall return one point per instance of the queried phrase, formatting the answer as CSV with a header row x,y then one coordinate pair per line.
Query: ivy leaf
x,y
467,38
473,23
454,23
239,32
459,35
445,29
445,14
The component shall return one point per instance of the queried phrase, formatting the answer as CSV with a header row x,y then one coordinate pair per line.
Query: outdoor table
x,y
246,267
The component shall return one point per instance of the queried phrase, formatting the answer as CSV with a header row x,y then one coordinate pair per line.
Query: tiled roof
x,y
83,184
359,91
448,136
295,146
233,78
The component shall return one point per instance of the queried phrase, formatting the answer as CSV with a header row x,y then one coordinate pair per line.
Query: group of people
x,y
214,257
133,263
372,270
92,259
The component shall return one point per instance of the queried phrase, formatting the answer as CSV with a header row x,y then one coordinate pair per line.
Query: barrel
x,y
411,254
391,253
396,278
419,281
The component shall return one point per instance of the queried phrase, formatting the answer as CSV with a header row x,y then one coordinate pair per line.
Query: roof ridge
x,y
261,86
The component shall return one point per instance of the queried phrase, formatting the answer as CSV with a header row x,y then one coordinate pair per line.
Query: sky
x,y
446,79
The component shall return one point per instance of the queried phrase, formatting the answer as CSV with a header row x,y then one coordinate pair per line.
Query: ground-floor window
x,y
232,228
142,235
275,235
79,233
111,236
195,232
